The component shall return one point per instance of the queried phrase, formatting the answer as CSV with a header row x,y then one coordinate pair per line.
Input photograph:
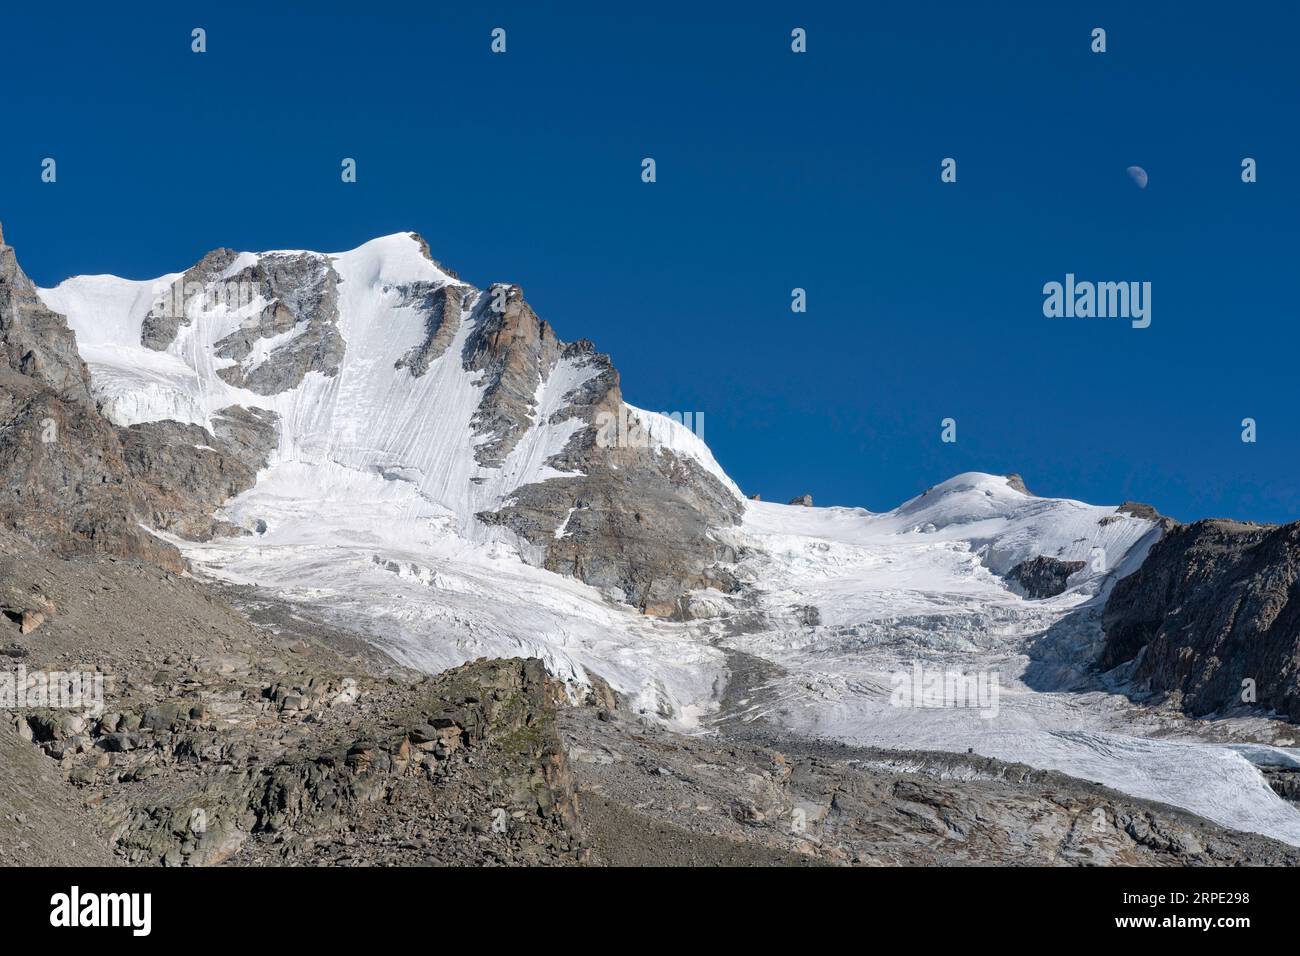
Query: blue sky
x,y
775,170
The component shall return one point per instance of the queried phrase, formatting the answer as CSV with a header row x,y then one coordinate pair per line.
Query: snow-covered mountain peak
x,y
379,365
398,259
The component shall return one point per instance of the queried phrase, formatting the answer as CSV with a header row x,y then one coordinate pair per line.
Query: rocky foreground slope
x,y
222,741
455,444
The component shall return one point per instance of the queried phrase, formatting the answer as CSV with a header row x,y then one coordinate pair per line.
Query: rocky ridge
x,y
1216,604
72,481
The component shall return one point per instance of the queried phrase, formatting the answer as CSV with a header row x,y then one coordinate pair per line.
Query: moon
x,y
1138,175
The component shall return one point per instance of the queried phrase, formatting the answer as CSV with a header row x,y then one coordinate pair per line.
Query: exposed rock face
x,y
1284,781
292,301
803,500
73,482
160,325
442,304
1018,483
71,493
515,350
1139,510
1044,577
37,342
63,479
301,291
1215,603
186,472
642,535
635,519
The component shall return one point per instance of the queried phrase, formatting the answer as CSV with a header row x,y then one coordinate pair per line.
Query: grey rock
x,y
185,472
1043,576
1147,512
442,307
36,342
1015,482
1214,604
162,322
516,351
63,481
301,290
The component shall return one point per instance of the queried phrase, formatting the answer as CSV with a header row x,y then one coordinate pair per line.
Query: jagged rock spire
x,y
35,341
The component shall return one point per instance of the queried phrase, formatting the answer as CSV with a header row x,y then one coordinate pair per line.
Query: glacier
x,y
366,514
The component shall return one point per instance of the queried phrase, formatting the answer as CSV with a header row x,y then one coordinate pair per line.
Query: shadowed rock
x,y
1215,604
64,483
516,351
1043,577
37,342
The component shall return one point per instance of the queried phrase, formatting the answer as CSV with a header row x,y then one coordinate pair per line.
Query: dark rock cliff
x,y
1215,605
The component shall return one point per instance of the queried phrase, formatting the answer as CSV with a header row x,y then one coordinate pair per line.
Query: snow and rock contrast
x,y
381,366
400,454
909,601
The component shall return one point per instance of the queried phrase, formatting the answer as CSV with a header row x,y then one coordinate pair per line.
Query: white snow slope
x,y
368,505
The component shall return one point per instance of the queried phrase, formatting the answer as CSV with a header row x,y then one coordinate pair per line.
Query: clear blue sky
x,y
775,170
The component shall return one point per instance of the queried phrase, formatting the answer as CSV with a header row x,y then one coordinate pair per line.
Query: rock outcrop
x,y
37,343
185,472
515,351
63,479
635,519
160,325
1212,617
441,305
73,482
1018,483
1139,510
300,318
1043,576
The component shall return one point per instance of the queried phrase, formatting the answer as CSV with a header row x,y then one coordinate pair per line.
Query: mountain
x,y
362,443
64,478
1212,618
381,365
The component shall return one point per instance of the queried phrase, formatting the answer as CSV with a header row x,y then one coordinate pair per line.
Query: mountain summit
x,y
392,452
380,364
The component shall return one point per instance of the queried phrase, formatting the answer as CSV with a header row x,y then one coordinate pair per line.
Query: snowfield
x,y
368,506
916,586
